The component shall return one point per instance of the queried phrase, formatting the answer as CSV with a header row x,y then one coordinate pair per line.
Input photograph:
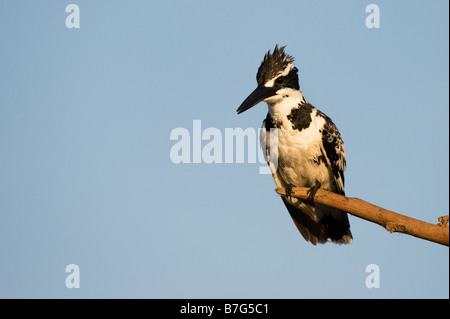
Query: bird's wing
x,y
334,152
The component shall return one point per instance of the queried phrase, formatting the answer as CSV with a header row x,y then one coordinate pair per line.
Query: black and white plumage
x,y
310,149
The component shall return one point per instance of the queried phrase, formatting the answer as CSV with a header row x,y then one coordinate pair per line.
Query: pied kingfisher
x,y
310,150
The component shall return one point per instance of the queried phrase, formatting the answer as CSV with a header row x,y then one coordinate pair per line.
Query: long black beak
x,y
260,93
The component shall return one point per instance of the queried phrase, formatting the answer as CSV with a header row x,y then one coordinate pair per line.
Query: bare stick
x,y
393,222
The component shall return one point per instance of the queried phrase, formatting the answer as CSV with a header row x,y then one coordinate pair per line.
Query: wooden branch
x,y
393,222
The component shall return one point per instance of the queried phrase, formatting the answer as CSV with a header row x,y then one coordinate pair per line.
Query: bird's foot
x,y
288,189
312,191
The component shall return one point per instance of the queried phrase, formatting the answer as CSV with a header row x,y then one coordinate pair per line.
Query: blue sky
x,y
86,176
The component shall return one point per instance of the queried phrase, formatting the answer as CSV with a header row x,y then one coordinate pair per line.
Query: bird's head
x,y
277,78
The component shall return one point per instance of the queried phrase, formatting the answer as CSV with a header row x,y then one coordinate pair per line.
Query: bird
x,y
310,150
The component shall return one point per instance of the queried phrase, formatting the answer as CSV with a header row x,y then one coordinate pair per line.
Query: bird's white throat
x,y
281,104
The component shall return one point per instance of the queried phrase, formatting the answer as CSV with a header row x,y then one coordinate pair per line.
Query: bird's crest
x,y
273,64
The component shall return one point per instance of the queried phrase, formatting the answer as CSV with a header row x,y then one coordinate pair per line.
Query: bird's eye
x,y
279,80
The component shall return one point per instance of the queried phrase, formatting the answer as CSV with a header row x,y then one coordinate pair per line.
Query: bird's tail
x,y
318,223
336,224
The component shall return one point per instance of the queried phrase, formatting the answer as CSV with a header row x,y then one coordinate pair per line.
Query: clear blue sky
x,y
85,171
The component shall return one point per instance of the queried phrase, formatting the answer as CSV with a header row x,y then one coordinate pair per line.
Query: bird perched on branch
x,y
310,150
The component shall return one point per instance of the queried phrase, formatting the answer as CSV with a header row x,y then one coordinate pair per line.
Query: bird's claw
x,y
288,189
312,192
